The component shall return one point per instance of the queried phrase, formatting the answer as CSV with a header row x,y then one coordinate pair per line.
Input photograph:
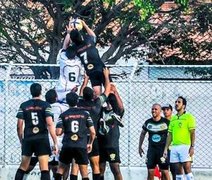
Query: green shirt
x,y
180,127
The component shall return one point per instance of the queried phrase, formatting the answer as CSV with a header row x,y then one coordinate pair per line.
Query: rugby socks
x,y
19,174
189,176
179,177
101,177
85,178
96,176
58,176
45,175
73,177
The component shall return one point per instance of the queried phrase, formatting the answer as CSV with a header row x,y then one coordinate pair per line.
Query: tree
x,y
32,31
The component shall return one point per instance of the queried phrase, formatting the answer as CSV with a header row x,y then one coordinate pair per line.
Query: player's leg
x,y
44,167
53,165
172,167
97,80
66,172
42,152
65,158
163,163
175,160
81,158
74,170
113,158
151,162
186,161
27,151
25,161
94,160
32,164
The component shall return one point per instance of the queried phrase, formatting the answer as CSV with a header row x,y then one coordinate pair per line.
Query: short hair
x,y
72,99
184,100
87,93
76,37
35,89
51,96
70,52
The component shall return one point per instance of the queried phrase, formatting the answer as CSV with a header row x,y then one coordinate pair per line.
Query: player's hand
x,y
165,153
113,88
191,151
141,151
106,72
55,149
69,28
89,148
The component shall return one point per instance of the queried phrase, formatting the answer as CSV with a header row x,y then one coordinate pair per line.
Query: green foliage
x,y
183,3
146,8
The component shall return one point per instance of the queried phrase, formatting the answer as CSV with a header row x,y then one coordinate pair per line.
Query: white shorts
x,y
180,153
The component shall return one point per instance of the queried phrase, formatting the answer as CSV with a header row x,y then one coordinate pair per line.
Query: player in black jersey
x,y
86,50
157,128
94,107
75,123
34,121
109,142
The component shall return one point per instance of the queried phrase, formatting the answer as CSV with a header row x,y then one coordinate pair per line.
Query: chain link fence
x,y
139,87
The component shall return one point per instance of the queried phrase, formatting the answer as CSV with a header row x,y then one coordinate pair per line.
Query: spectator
x,y
157,128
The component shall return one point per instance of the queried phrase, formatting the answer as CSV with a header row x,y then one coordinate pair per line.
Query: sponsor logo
x,y
74,137
90,66
35,130
156,138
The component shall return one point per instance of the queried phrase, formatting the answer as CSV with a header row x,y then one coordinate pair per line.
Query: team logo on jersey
x,y
74,137
112,157
90,66
35,130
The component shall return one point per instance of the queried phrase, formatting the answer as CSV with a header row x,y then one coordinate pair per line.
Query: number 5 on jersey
x,y
34,116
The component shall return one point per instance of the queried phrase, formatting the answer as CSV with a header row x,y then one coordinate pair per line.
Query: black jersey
x,y
34,113
89,55
111,139
75,123
157,130
93,107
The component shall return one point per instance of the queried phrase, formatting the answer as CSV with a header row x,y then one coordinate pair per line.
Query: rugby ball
x,y
77,23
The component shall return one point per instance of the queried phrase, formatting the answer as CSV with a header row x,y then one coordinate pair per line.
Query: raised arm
x,y
84,84
106,73
89,30
114,90
67,39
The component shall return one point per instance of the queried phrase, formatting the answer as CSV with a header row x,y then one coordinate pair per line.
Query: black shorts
x,y
33,161
96,78
37,146
53,162
154,154
109,154
95,149
79,154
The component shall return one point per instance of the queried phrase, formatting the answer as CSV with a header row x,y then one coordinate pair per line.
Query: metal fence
x,y
139,87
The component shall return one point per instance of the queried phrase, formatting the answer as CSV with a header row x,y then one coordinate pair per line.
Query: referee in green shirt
x,y
182,135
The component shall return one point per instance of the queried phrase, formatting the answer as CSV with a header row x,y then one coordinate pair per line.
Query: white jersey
x,y
57,109
71,73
